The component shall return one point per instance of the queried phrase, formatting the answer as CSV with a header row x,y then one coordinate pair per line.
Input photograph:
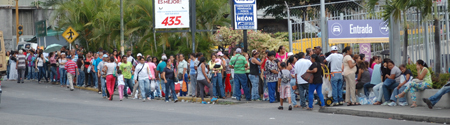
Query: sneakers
x,y
203,102
403,103
341,103
290,107
213,99
233,97
385,103
167,101
175,101
392,104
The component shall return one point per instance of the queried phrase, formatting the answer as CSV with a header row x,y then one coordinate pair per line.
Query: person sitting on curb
x,y
422,82
436,97
392,81
405,80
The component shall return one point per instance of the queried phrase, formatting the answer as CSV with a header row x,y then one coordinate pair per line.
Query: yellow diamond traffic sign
x,y
70,34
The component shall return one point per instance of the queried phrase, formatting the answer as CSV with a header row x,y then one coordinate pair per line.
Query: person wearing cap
x,y
102,75
254,74
159,69
138,56
127,69
337,80
63,74
239,63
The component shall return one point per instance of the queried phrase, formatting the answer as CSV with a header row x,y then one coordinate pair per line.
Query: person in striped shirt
x,y
21,66
72,69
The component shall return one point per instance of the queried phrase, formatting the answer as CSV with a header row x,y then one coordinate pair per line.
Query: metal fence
x,y
306,31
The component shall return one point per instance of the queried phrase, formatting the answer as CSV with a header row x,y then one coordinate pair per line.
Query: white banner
x,y
171,14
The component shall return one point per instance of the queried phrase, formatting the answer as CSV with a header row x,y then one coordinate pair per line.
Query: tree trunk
x,y
405,46
437,47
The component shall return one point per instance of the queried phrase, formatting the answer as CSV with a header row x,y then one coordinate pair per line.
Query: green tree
x,y
396,10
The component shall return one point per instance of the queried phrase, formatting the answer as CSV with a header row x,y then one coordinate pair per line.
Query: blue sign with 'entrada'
x,y
357,29
245,14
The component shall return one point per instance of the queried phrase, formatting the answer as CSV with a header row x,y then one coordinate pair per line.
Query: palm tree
x,y
395,9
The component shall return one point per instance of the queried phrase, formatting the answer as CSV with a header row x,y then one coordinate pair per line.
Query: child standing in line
x,y
120,83
284,79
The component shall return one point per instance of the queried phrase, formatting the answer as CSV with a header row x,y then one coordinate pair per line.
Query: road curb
x,y
87,88
409,117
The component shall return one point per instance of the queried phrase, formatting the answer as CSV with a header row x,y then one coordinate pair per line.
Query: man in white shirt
x,y
337,80
130,58
300,68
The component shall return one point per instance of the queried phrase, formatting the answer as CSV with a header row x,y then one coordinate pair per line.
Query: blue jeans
x,y
163,86
30,72
170,86
53,74
130,84
272,86
103,82
187,85
217,82
95,78
389,84
303,90
193,84
241,80
255,82
80,77
144,85
293,96
436,97
42,73
318,89
157,90
367,86
396,92
336,84
63,76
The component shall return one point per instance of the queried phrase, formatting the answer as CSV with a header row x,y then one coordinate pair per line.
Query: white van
x,y
27,45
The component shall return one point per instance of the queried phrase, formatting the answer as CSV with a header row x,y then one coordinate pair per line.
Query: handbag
x,y
308,77
184,89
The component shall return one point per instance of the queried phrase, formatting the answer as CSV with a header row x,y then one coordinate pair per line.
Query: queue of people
x,y
233,74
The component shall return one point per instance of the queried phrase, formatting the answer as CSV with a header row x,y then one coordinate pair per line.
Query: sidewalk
x,y
436,115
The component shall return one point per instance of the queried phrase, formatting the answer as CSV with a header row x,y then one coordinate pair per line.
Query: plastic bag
x,y
372,97
327,91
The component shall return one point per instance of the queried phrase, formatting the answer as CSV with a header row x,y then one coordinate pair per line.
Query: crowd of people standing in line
x,y
229,74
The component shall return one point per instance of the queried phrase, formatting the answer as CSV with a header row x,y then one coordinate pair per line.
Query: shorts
x,y
285,91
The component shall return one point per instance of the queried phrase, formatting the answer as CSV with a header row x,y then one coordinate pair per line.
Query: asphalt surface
x,y
36,104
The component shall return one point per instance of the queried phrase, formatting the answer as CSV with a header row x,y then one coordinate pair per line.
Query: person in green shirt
x,y
126,68
239,63
422,82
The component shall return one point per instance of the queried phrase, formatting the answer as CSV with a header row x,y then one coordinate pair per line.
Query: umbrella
x,y
53,48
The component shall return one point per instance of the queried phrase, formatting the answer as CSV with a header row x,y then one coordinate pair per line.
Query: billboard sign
x,y
171,14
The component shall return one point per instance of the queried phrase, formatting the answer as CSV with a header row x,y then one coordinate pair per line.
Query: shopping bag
x,y
184,87
129,91
326,87
177,86
152,85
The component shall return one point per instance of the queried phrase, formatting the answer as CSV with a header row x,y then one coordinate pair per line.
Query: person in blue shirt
x,y
159,70
95,63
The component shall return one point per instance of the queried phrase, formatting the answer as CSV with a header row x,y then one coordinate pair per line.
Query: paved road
x,y
33,103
